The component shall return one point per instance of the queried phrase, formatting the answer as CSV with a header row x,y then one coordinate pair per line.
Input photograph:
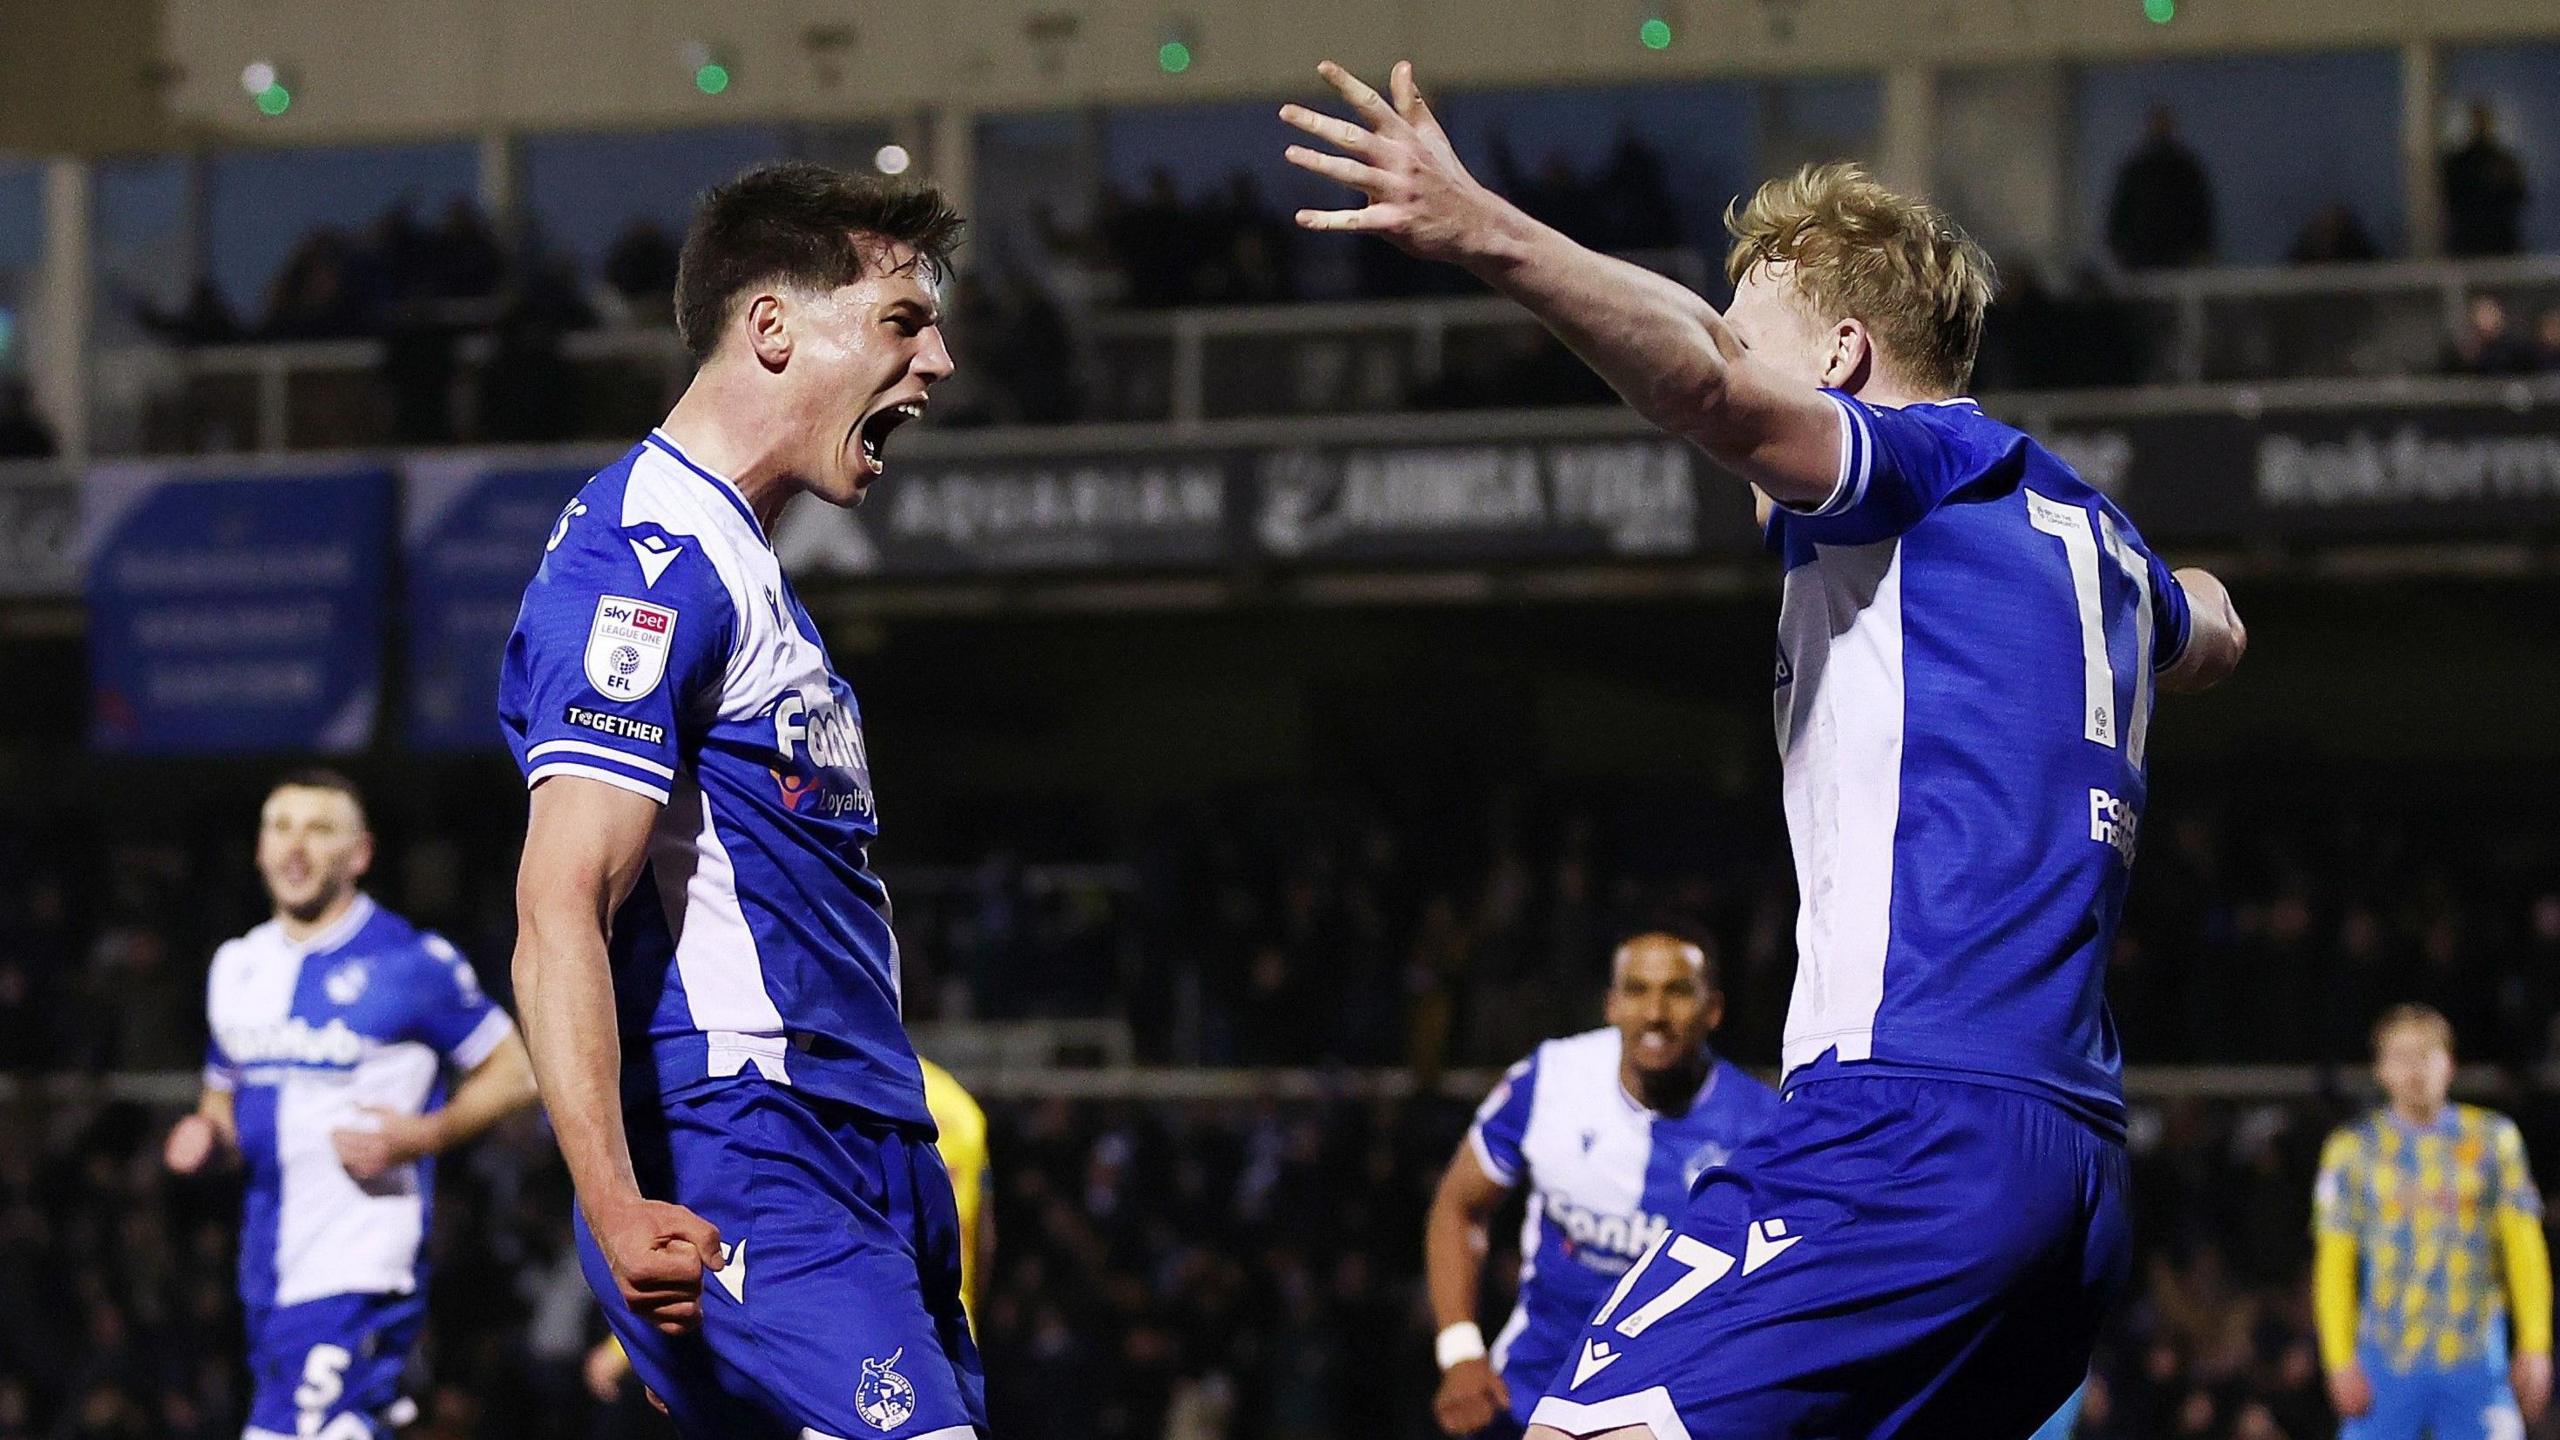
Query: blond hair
x,y
2413,1017
1856,250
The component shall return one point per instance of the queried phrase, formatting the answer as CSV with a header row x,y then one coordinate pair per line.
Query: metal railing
x,y
1187,368
996,1066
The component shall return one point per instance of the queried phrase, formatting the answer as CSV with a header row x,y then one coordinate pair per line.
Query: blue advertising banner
x,y
472,530
235,612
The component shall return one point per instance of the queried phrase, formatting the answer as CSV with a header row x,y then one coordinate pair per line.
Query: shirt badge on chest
x,y
345,984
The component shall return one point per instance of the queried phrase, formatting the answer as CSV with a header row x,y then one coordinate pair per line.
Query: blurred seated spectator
x,y
1020,356
2333,236
2038,338
314,296
526,387
640,270
23,433
2546,341
2484,192
1555,194
1249,249
1633,201
205,319
2162,214
2488,343
463,258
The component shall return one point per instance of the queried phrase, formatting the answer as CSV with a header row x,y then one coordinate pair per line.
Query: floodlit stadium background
x,y
1286,672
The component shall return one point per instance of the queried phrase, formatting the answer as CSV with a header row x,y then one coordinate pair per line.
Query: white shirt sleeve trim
x,y
484,1039
1857,463
589,772
217,1078
582,747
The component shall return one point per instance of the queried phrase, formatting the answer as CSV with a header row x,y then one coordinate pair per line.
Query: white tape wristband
x,y
1459,1344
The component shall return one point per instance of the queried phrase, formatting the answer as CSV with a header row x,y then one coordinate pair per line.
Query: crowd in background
x,y
2491,341
1164,1271
1272,930
1024,315
2161,213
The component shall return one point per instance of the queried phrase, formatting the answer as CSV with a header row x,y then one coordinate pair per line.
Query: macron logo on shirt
x,y
655,554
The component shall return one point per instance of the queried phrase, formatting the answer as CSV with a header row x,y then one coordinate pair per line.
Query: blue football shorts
x,y
1895,1257
329,1369
2467,1401
838,1313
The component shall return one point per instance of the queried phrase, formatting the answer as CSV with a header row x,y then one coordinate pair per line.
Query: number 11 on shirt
x,y
2080,532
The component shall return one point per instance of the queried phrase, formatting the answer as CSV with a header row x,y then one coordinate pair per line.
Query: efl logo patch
x,y
627,646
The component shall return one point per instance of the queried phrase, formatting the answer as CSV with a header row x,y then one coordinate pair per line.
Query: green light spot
x,y
1173,57
1656,33
2160,12
711,77
274,100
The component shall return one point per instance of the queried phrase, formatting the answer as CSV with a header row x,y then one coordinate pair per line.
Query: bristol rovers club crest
x,y
884,1398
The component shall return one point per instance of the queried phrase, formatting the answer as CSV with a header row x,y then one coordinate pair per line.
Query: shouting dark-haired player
x,y
705,966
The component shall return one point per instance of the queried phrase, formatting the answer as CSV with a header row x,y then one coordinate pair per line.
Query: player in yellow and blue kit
x,y
960,1124
2430,1251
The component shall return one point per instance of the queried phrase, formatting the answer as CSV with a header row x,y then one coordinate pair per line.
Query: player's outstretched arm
x,y
1668,352
584,847
2215,639
1471,1395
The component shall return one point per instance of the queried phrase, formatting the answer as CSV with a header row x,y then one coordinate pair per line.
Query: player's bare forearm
x,y
497,1087
1453,1238
1661,346
565,992
2216,640
585,844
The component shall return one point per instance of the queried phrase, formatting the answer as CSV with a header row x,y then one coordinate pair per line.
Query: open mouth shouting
x,y
873,433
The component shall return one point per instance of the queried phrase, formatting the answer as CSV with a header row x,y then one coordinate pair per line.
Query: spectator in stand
x,y
2333,236
315,296
1634,200
641,271
2546,340
2162,214
23,433
526,389
205,319
463,258
2488,343
2484,192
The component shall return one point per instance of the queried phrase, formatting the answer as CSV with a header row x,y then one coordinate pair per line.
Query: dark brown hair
x,y
801,224
320,777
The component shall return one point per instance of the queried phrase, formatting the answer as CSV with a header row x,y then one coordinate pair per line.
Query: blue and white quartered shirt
x,y
366,1013
1964,692
1606,1177
660,649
